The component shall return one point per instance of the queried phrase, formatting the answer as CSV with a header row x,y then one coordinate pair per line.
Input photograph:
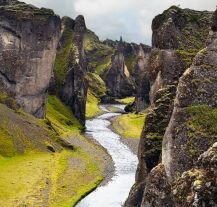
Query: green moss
x,y
103,65
128,100
22,8
68,187
7,147
154,136
92,105
19,174
3,97
63,56
198,182
187,55
61,64
99,55
96,84
56,178
59,179
129,125
61,117
130,62
202,120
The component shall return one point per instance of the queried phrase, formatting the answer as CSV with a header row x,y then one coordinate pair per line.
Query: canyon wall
x,y
167,63
69,81
28,42
118,78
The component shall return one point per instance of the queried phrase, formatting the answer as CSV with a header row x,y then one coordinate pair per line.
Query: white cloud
x,y
112,18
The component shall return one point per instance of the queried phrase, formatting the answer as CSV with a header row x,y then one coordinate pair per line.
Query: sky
x,y
111,19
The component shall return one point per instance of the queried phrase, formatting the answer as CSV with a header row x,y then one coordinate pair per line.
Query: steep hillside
x,y
49,154
96,91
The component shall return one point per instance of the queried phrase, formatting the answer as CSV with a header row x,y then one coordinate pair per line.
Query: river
x,y
115,192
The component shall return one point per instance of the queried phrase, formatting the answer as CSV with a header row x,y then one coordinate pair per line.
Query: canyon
x,y
56,135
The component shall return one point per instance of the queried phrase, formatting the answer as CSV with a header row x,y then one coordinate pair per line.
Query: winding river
x,y
115,192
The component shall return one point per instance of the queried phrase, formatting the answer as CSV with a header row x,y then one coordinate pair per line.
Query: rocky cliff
x,y
191,130
182,30
118,78
71,67
153,188
101,61
178,28
28,42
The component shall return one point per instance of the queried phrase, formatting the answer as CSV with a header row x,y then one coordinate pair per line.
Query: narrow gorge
x,y
88,122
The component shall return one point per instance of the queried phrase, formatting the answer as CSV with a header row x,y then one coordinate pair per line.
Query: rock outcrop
x,y
117,78
192,127
141,75
28,42
71,67
180,28
181,128
165,68
198,186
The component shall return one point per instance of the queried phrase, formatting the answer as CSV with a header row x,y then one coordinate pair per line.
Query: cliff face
x,y
197,186
28,42
71,67
107,58
191,130
183,31
183,136
142,78
117,78
180,28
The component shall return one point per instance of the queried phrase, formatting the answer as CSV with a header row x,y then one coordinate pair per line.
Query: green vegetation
x,y
129,125
56,178
22,8
61,117
203,120
130,62
21,133
7,148
198,20
76,174
128,100
61,177
97,89
92,105
98,53
187,55
103,65
62,57
96,84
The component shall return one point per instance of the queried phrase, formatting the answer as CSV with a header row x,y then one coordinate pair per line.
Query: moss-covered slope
x,y
98,54
33,154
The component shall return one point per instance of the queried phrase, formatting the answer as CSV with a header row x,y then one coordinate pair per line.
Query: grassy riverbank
x,y
35,169
129,125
